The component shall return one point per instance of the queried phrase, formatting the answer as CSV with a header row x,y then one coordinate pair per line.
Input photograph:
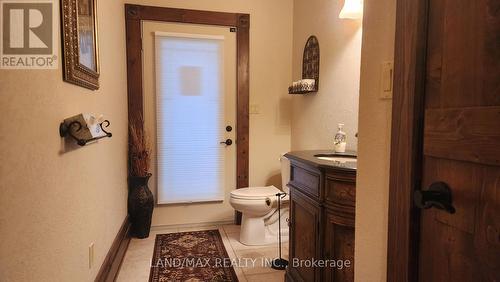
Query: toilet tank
x,y
285,173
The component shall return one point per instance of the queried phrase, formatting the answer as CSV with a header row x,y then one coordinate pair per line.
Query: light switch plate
x,y
254,109
91,255
386,80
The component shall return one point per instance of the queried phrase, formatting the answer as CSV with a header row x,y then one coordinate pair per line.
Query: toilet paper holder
x,y
74,129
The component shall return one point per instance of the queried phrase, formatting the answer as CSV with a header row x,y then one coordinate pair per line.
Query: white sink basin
x,y
338,159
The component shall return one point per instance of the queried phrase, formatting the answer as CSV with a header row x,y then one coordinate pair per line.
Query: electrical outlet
x,y
91,255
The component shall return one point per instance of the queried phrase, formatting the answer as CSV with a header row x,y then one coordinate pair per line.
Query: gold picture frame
x,y
80,43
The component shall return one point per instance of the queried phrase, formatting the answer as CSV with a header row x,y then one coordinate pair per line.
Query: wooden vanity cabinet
x,y
322,208
304,236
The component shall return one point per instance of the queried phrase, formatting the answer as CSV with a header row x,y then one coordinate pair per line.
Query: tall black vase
x,y
140,205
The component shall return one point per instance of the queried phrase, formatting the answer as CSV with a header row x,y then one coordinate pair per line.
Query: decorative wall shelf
x,y
310,68
302,89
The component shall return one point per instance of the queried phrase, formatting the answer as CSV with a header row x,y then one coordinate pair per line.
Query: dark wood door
x,y
461,145
304,237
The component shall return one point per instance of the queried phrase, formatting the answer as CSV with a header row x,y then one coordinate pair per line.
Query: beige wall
x,y
270,74
372,190
315,116
57,198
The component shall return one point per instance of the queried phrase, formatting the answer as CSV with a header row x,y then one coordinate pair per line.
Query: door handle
x,y
438,196
228,142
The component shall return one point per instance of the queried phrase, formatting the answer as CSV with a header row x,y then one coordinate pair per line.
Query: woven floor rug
x,y
191,256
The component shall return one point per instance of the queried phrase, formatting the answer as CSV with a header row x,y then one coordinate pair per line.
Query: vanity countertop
x,y
310,157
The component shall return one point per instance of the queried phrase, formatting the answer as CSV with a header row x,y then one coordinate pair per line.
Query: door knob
x,y
438,196
228,142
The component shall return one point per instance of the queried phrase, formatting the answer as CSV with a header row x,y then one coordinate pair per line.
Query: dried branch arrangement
x,y
139,152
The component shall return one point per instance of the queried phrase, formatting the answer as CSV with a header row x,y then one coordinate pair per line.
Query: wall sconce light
x,y
353,9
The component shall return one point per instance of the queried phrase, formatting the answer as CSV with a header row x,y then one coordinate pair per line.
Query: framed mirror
x,y
80,43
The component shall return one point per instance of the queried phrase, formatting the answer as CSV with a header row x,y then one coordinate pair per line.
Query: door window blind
x,y
190,117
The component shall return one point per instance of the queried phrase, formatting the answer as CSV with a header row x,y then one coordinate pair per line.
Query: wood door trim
x,y
134,14
407,139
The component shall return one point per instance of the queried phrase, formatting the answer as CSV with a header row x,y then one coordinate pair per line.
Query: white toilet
x,y
259,207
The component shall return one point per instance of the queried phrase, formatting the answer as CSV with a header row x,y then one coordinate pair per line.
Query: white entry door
x,y
190,114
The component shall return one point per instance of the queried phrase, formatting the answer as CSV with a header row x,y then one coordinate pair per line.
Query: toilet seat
x,y
255,193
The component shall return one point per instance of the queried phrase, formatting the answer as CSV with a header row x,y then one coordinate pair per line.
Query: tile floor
x,y
137,261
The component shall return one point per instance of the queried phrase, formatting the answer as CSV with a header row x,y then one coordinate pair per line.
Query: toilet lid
x,y
255,192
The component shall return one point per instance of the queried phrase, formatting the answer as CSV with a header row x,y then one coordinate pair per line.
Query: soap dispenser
x,y
340,140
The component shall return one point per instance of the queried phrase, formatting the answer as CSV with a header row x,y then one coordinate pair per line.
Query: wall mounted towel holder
x,y
71,129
